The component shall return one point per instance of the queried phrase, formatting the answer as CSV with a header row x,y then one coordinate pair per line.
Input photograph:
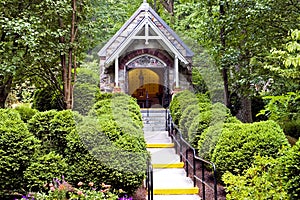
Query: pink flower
x,y
79,192
91,184
52,188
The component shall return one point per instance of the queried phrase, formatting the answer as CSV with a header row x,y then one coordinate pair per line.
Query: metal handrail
x,y
149,180
179,141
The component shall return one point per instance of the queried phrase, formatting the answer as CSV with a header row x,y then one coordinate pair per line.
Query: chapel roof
x,y
145,18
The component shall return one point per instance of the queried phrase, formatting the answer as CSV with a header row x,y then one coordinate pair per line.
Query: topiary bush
x,y
120,107
84,97
210,136
94,156
26,112
51,127
43,169
17,149
239,143
217,113
180,102
267,178
263,180
291,169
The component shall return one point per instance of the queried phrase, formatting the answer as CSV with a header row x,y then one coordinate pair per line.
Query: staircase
x,y
169,177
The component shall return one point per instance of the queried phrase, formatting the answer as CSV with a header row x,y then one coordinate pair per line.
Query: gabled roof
x,y
145,18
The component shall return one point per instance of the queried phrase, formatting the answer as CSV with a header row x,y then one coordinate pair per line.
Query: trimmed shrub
x,y
179,102
17,148
291,170
210,136
94,157
26,112
261,181
189,114
182,100
51,127
217,113
84,97
267,178
43,170
120,107
239,143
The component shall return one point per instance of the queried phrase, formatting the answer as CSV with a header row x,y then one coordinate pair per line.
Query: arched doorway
x,y
146,85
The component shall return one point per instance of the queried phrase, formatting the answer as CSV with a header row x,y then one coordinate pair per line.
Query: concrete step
x,y
163,155
154,128
172,181
176,197
153,110
157,137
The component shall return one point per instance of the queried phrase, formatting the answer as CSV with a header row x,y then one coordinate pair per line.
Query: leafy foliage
x,y
261,181
239,143
43,169
214,114
17,149
26,112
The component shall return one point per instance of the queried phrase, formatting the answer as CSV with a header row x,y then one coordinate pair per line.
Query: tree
x,y
234,32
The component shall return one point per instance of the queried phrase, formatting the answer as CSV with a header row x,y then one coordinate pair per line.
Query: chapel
x,y
146,59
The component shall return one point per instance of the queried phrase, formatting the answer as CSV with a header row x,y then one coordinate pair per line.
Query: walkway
x,y
169,177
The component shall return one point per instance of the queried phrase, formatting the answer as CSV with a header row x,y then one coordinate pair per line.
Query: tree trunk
x,y
4,90
67,69
63,64
245,112
169,6
224,68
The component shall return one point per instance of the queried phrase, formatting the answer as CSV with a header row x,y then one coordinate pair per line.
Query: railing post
x,y
215,182
203,180
194,169
187,162
166,118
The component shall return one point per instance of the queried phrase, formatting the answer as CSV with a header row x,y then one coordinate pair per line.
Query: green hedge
x,y
84,97
43,169
17,149
268,178
51,127
210,136
95,157
98,148
189,114
26,112
239,143
217,113
120,108
291,169
263,180
180,102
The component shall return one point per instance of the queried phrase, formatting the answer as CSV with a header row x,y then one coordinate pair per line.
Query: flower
x,y
91,184
80,184
61,187
79,192
52,188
